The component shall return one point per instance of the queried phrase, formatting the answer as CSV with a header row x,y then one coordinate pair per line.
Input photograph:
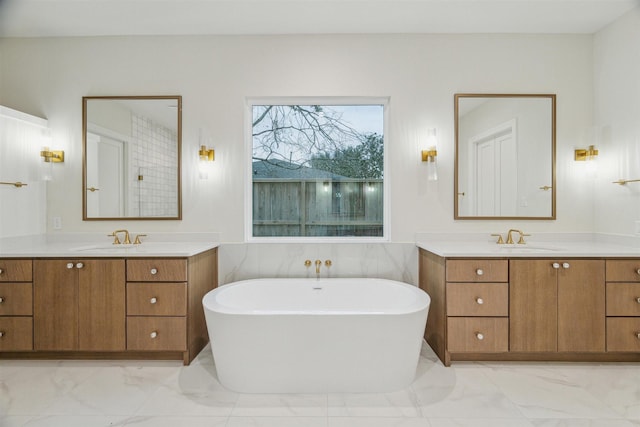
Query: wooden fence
x,y
295,207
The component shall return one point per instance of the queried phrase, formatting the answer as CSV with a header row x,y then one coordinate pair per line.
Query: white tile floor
x,y
167,394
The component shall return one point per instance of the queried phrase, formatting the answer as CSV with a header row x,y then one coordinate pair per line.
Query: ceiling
x,y
63,18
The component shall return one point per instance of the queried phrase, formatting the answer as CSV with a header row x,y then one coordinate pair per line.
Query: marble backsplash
x,y
396,261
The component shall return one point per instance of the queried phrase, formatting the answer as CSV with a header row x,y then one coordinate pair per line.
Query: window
x,y
317,169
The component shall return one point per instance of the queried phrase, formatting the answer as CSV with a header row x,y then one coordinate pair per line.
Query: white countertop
x,y
98,245
580,245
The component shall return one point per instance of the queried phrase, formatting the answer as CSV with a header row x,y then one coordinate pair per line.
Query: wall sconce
x,y
430,155
52,156
206,155
582,155
48,159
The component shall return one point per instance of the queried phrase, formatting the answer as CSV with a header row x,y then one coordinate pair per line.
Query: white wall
x,y
214,74
22,209
617,115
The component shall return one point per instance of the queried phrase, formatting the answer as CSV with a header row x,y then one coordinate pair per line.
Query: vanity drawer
x,y
622,270
157,299
477,299
623,299
16,299
477,270
16,333
157,333
15,270
478,334
623,334
157,270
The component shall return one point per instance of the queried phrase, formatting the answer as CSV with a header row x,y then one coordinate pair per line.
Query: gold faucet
x,y
520,240
116,240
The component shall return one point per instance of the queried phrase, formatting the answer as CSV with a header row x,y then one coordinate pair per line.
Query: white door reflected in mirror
x,y
505,156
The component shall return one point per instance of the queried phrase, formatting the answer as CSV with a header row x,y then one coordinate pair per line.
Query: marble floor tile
x,y
175,421
168,394
480,422
277,422
398,404
445,393
14,421
281,405
552,392
584,423
377,422
74,421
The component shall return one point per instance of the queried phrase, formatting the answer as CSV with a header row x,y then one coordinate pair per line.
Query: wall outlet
x,y
57,223
637,227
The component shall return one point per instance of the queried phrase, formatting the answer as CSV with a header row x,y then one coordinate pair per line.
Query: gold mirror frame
x,y
542,186
178,101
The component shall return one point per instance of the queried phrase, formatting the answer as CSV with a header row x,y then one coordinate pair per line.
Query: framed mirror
x,y
131,157
505,156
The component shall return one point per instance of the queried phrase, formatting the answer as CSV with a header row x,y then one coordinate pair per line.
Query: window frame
x,y
316,100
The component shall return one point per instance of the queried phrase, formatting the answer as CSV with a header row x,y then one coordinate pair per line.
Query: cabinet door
x,y
101,308
55,305
581,306
533,315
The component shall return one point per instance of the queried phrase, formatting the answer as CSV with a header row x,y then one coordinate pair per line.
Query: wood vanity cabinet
x,y
16,303
131,308
623,305
532,308
157,304
556,305
477,305
79,304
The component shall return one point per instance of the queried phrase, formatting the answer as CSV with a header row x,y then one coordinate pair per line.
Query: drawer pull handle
x,y
637,300
555,265
153,334
638,335
69,265
480,336
79,265
479,272
2,300
480,301
565,265
154,271
637,271
2,271
2,334
153,300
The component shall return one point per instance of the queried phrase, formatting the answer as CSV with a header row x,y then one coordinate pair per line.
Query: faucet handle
x,y
116,241
500,241
137,240
307,263
521,240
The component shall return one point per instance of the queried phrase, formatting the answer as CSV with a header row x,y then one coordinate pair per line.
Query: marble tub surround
x,y
393,261
101,245
538,245
159,394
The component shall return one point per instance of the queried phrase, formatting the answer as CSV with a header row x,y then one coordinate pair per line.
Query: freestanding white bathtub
x,y
314,336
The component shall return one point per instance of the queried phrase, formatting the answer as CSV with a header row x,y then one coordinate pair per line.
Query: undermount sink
x,y
105,247
143,247
525,248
